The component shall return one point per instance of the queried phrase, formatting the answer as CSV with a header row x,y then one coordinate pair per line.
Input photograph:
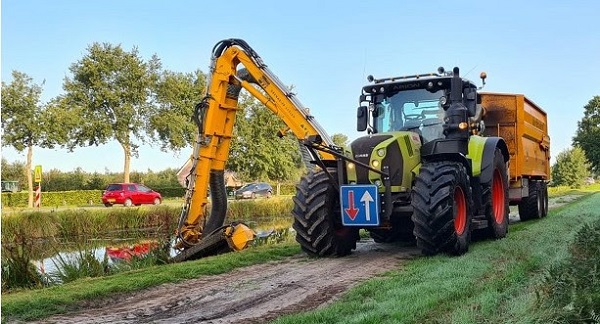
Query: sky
x,y
547,50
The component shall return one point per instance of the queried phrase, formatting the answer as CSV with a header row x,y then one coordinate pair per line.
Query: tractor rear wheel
x,y
317,219
495,198
442,201
531,207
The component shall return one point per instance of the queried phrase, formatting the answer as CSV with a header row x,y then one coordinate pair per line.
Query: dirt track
x,y
257,293
252,294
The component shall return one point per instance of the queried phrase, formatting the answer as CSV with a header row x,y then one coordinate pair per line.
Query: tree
x,y
257,153
175,96
56,180
340,140
588,133
14,172
25,123
571,168
108,98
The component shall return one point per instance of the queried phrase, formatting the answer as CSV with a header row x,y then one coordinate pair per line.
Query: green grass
x,y
495,282
566,190
37,304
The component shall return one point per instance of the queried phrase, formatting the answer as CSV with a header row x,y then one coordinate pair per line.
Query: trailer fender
x,y
481,152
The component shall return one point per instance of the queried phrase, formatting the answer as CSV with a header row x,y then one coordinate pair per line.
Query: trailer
x,y
524,127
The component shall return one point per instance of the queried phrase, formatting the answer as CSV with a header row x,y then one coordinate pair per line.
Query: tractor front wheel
x,y
442,201
317,219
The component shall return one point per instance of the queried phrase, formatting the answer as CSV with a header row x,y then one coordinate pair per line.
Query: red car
x,y
129,194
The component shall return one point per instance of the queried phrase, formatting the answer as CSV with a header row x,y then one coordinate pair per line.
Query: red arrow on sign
x,y
351,211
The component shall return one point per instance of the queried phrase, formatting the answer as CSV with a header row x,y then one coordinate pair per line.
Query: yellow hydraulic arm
x,y
215,117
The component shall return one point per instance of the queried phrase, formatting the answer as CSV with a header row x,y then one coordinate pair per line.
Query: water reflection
x,y
111,253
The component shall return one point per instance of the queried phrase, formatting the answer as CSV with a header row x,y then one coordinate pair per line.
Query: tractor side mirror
x,y
361,118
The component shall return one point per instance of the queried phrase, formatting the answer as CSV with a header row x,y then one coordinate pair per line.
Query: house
x,y
231,180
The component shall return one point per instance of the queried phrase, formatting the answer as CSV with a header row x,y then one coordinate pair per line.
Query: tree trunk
x,y
27,171
127,152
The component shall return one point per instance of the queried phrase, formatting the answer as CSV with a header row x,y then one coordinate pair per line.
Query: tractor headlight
x,y
375,163
381,152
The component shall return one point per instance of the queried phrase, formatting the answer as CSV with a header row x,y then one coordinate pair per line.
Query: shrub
x,y
571,288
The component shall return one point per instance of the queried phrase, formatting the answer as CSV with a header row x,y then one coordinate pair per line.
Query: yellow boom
x,y
235,65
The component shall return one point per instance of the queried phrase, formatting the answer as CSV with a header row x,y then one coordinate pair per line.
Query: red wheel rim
x,y
460,209
498,197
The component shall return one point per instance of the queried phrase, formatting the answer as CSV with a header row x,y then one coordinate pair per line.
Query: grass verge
x,y
37,304
495,282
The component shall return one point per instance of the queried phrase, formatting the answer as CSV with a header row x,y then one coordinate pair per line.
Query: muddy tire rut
x,y
253,294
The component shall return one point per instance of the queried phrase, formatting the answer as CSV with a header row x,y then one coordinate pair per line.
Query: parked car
x,y
253,190
129,194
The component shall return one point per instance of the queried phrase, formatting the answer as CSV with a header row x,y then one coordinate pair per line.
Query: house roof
x,y
231,179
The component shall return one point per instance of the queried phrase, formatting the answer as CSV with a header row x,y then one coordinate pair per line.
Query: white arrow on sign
x,y
367,199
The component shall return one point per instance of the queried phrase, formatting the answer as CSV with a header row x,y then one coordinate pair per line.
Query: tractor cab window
x,y
411,110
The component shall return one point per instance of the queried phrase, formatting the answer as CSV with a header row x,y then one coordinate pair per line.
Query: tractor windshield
x,y
412,110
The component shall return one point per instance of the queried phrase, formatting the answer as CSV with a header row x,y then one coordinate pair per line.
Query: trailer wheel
x,y
442,201
317,219
544,191
495,198
531,207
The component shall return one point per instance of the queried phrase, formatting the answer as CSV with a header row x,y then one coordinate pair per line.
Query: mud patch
x,y
252,294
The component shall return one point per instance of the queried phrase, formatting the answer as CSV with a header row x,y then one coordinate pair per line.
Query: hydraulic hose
x,y
218,195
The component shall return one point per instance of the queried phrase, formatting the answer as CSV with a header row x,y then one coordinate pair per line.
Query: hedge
x,y
73,198
94,197
55,198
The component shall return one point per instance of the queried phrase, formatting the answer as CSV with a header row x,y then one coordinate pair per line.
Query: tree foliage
x,y
21,112
571,168
588,133
340,140
175,96
78,179
14,172
108,98
257,153
25,121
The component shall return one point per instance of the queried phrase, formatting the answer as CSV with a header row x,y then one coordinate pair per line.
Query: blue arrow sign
x,y
360,205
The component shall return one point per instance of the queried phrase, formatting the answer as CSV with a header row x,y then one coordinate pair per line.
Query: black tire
x,y
531,207
544,191
495,198
384,236
317,219
401,231
108,205
390,236
269,194
442,201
